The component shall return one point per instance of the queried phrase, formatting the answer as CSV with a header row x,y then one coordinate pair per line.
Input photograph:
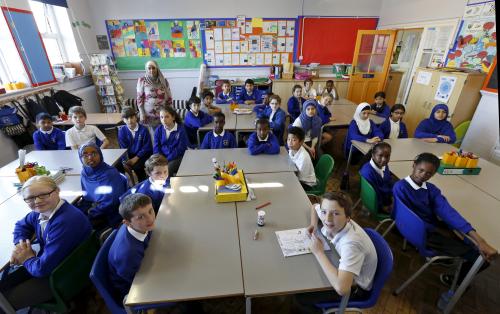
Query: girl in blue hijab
x,y
436,128
311,123
102,186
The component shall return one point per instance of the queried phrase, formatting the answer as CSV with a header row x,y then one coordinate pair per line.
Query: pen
x,y
255,234
263,205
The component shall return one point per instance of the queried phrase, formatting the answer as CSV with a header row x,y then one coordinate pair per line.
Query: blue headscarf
x,y
310,123
93,173
438,126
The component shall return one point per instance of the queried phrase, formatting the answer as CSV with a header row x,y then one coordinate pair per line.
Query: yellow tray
x,y
233,196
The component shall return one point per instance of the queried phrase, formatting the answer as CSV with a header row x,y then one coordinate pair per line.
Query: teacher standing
x,y
153,93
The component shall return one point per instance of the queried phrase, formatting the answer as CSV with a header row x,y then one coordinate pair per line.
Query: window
x,y
51,20
11,66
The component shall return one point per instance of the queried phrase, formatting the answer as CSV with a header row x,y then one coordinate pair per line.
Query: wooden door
x,y
371,61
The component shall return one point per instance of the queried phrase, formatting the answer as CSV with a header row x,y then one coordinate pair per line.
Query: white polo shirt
x,y
87,134
303,162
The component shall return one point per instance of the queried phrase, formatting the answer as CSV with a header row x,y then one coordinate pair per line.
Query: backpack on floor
x,y
66,100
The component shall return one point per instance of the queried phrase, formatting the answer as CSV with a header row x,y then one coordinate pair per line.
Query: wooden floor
x,y
420,297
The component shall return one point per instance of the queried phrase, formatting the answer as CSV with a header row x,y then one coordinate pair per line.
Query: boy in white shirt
x,y
81,133
301,158
358,257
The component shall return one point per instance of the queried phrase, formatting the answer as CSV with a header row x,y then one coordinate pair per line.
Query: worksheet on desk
x,y
296,241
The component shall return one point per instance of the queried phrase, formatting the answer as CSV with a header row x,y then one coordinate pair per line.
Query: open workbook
x,y
296,241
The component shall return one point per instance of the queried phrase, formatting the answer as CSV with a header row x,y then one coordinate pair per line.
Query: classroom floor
x,y
420,297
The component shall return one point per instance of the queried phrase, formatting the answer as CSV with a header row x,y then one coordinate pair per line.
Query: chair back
x,y
411,227
323,170
99,276
385,262
460,131
368,196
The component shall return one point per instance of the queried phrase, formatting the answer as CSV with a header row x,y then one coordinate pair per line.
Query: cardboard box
x,y
233,196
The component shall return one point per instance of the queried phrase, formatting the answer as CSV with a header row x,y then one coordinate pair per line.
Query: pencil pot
x,y
449,158
24,174
219,183
472,163
461,162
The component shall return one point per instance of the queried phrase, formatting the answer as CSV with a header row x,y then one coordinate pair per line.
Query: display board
x,y
29,45
249,42
174,44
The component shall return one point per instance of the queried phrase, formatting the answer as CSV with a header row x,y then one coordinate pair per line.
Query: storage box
x,y
224,197
446,169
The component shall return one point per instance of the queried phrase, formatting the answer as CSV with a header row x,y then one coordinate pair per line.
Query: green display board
x,y
174,44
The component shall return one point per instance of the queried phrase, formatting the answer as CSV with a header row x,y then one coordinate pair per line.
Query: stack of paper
x,y
296,241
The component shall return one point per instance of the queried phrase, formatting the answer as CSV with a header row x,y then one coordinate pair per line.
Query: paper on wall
x,y
251,59
270,27
259,59
235,33
289,44
209,39
281,45
235,58
254,43
210,57
267,43
284,58
268,58
227,46
290,28
243,58
218,33
226,33
276,58
219,59
227,59
240,22
445,88
219,47
235,46
281,28
244,46
248,27
257,22
424,77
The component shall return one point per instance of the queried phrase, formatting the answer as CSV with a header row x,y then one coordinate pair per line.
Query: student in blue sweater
x,y
276,117
394,127
326,117
262,141
259,109
219,138
103,186
226,96
157,184
170,139
47,137
207,106
295,102
310,122
251,95
427,201
436,129
132,239
195,118
377,173
380,107
57,226
136,139
361,129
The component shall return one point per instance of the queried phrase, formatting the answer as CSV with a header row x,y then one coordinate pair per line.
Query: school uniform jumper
x,y
138,144
225,98
387,125
124,259
193,122
154,191
380,180
172,146
268,146
294,106
216,141
384,111
353,133
276,121
323,113
256,96
51,140
431,127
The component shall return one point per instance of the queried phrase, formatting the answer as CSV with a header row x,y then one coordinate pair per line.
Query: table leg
x,y
248,305
343,303
465,283
198,137
345,177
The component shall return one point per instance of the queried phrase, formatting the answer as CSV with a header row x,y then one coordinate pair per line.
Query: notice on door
x,y
445,88
424,77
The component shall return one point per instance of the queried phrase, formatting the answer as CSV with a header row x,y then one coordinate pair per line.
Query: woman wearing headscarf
x,y
361,129
153,92
310,122
102,185
436,128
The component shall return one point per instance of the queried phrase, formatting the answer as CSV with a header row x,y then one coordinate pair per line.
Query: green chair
x,y
368,197
460,131
71,276
323,170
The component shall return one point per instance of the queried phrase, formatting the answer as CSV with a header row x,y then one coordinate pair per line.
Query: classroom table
x,y
14,209
245,123
404,149
199,162
194,250
476,206
104,119
487,180
266,271
55,159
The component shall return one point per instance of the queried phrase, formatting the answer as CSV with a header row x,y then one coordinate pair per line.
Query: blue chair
x,y
99,276
414,231
384,269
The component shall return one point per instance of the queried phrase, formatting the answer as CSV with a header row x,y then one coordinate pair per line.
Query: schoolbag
x,y
11,123
50,105
66,100
33,108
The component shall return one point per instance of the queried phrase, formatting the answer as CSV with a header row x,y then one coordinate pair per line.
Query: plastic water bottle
x,y
444,299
